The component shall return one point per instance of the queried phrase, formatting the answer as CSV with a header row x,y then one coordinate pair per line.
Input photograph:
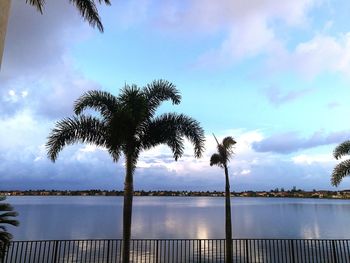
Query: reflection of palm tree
x,y
221,158
6,218
127,125
343,168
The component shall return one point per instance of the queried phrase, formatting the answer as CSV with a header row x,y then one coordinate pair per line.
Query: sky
x,y
273,74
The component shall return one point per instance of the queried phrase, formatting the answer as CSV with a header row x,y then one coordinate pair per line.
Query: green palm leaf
x,y
84,129
159,91
87,9
340,171
37,3
341,150
7,216
101,101
170,129
215,159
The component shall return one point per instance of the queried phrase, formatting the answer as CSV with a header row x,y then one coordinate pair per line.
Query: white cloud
x,y
307,159
248,26
322,53
245,172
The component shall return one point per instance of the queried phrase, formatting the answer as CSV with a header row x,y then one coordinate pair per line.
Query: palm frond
x,y
225,149
85,129
134,106
340,171
101,101
159,91
8,221
171,129
342,149
5,237
5,207
6,218
88,11
39,4
228,142
215,159
114,151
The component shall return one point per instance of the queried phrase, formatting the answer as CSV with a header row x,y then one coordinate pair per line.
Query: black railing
x,y
180,250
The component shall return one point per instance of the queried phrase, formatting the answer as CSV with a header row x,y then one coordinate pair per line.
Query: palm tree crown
x,y
6,218
127,125
87,9
343,168
225,151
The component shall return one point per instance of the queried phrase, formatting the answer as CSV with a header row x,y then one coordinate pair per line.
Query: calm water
x,y
180,217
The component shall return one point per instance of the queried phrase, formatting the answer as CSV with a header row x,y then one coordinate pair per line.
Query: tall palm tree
x,y
6,218
221,159
127,125
343,168
86,8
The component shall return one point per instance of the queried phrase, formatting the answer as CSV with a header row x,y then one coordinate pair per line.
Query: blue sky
x,y
272,74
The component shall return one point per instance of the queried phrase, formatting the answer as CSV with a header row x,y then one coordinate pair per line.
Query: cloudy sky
x,y
273,74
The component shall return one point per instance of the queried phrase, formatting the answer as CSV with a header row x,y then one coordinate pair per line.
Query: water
x,y
179,217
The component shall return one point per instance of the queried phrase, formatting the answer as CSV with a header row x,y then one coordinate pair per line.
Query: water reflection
x,y
180,217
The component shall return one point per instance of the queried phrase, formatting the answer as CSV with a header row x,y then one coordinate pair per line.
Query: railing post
x,y
246,251
55,254
157,251
200,250
292,250
108,245
334,252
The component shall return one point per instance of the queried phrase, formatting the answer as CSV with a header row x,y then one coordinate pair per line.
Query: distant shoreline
x,y
325,194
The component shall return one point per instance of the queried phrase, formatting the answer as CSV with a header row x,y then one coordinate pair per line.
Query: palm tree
x,y
6,218
86,8
127,125
221,158
343,168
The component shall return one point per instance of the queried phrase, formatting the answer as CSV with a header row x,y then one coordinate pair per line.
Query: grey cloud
x,y
276,97
53,98
34,41
36,60
286,174
97,171
291,142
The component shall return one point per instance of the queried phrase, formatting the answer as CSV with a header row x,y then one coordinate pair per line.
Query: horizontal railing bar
x,y
179,239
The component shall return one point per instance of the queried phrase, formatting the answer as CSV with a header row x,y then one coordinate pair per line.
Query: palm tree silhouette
x,y
343,168
221,158
6,218
127,125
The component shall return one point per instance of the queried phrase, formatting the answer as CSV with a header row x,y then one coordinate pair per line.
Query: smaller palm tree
x,y
87,9
221,159
342,169
6,218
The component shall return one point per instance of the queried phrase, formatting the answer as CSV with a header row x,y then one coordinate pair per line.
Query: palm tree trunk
x,y
228,224
4,16
127,209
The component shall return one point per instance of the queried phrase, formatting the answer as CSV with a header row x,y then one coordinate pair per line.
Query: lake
x,y
83,217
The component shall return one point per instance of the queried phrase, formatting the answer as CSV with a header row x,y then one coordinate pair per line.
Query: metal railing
x,y
180,250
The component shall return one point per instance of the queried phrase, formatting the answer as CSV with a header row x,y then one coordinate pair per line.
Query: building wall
x,y
4,15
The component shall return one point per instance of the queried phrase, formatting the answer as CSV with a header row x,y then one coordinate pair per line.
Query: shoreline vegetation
x,y
293,193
